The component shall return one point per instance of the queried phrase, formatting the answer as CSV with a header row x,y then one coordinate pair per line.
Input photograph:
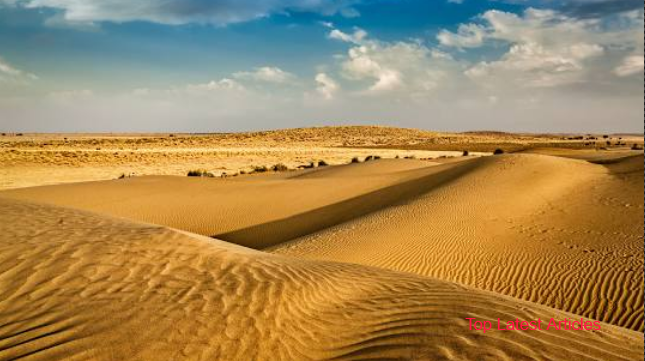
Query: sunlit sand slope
x,y
561,232
254,211
79,286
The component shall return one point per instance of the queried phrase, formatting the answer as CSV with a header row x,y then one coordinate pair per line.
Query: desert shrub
x,y
260,169
377,157
200,173
122,176
636,147
4,134
605,136
279,168
356,160
466,153
19,135
322,163
411,157
369,158
498,151
397,157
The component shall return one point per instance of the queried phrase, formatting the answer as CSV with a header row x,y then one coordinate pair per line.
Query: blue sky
x,y
224,65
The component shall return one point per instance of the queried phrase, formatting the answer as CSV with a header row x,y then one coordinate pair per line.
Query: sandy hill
x,y
81,286
561,232
254,211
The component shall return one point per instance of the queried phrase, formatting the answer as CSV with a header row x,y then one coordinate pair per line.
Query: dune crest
x,y
561,232
84,286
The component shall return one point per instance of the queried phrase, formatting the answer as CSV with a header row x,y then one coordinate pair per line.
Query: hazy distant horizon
x,y
194,66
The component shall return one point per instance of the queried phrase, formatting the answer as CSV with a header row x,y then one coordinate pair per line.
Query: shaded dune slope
x,y
78,286
258,211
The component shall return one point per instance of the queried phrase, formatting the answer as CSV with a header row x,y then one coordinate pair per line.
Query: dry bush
x,y
279,168
200,173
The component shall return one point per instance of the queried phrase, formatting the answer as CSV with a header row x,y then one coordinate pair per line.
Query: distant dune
x,y
557,231
82,286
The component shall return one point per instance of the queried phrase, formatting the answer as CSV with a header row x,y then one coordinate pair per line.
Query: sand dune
x,y
79,286
561,232
254,211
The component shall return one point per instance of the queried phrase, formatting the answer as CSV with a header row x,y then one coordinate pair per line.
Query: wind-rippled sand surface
x,y
81,286
382,260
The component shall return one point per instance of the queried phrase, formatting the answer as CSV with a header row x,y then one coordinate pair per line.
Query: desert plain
x,y
333,243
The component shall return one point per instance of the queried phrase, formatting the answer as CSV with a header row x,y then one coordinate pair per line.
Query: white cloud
x,y
547,48
10,74
174,12
327,87
224,84
404,67
357,37
467,36
266,74
533,65
631,65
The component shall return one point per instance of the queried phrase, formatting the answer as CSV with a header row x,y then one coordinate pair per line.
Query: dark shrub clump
x,y
498,151
200,173
260,169
279,168
356,160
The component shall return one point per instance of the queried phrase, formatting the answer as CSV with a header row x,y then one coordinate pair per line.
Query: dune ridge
x,y
80,286
573,242
561,232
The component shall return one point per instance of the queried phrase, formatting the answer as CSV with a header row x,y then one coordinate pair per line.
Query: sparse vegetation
x,y
377,157
322,163
636,147
279,168
200,173
498,151
369,158
356,160
260,169
466,153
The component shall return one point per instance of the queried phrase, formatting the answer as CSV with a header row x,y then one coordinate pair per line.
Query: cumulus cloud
x,y
547,48
266,74
533,65
467,36
175,12
327,87
402,67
